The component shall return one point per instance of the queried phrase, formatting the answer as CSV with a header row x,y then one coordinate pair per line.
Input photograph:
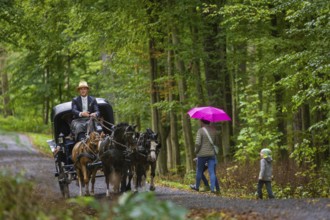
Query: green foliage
x,y
317,184
145,206
25,124
257,132
24,202
134,206
323,182
276,56
21,200
304,152
238,180
190,177
17,203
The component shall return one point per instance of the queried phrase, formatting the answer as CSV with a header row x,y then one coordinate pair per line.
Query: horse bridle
x,y
125,137
147,139
128,135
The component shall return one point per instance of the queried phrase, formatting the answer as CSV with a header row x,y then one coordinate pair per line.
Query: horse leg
x,y
107,180
86,180
93,180
143,179
143,183
138,175
115,179
107,174
130,177
80,184
135,182
123,183
152,175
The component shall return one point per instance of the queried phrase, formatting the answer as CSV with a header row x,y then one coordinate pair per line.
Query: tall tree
x,y
217,77
4,83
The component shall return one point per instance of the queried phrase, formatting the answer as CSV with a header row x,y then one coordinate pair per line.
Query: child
x,y
265,174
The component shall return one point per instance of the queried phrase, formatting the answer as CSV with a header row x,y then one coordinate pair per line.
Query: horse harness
x,y
145,151
125,136
90,153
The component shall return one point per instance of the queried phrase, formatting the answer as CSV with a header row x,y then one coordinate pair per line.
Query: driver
x,y
84,107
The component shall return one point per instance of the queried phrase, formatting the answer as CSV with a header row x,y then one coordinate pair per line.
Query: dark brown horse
x,y
115,151
83,153
145,158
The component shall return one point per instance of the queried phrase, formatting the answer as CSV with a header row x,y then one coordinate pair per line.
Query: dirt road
x,y
18,155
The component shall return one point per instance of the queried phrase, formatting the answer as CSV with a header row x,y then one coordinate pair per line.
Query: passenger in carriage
x,y
83,108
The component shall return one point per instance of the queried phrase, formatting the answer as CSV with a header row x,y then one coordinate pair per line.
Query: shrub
x,y
21,202
26,124
135,206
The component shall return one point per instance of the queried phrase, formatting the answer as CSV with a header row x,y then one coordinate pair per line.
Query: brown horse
x,y
83,153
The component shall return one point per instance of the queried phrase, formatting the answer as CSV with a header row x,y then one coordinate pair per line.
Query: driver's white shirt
x,y
84,104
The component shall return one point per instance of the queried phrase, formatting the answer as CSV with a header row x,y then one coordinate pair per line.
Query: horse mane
x,y
119,128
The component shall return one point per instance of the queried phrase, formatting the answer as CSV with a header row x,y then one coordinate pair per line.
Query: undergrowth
x,y
240,180
24,201
26,124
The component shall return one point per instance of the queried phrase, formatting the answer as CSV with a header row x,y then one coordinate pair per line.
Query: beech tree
x,y
265,63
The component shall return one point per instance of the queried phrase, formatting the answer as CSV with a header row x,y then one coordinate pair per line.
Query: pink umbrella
x,y
209,113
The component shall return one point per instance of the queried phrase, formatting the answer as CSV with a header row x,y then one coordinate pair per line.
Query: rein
x,y
100,123
124,137
116,142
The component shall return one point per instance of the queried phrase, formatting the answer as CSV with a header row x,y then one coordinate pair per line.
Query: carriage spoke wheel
x,y
63,181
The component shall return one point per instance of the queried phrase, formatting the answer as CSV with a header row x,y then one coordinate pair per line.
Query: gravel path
x,y
18,155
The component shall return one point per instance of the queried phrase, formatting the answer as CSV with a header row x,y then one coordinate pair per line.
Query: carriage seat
x,y
69,144
65,126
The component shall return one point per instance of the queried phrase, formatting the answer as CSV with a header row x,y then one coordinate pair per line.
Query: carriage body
x,y
63,141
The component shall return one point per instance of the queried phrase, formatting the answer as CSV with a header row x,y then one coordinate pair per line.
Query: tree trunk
x,y
240,50
174,150
280,117
4,84
161,164
195,67
186,126
279,93
46,101
217,78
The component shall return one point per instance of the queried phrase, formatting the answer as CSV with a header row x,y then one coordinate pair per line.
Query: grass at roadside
x,y
40,142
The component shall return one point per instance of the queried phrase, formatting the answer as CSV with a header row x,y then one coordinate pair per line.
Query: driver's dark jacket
x,y
77,106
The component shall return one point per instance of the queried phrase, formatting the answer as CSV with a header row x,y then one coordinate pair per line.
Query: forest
x,y
264,62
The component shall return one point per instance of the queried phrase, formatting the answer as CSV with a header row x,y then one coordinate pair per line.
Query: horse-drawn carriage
x,y
63,141
118,150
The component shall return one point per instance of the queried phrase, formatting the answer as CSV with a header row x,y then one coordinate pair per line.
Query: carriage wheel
x,y
63,181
